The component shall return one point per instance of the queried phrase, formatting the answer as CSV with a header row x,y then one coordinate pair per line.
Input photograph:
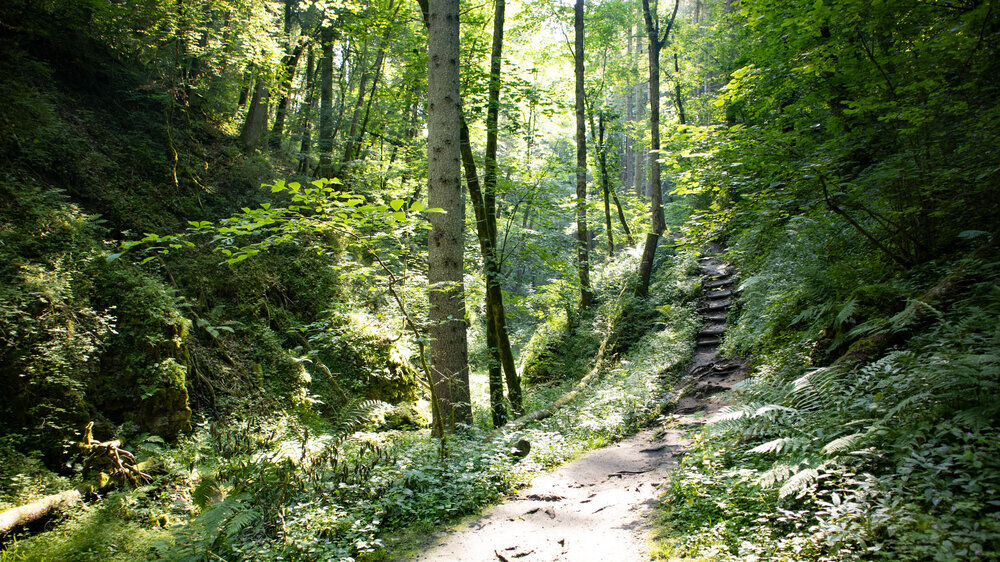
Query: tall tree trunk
x,y
256,120
325,141
655,190
628,170
621,218
449,351
582,240
677,91
641,92
496,313
354,137
290,64
602,158
306,146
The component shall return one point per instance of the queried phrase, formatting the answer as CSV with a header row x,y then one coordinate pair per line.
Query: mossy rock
x,y
165,410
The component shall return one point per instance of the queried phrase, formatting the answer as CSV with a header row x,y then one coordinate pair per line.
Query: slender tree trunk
x,y
639,167
655,190
354,137
621,217
677,91
495,295
582,240
325,141
495,374
449,351
291,63
602,158
306,147
627,169
256,121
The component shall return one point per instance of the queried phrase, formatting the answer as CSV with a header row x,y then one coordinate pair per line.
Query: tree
x,y
449,351
582,239
656,43
496,321
325,141
256,120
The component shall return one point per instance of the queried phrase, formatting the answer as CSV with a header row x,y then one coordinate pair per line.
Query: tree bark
x,y
621,217
603,159
496,313
291,63
27,514
256,120
655,191
677,92
582,239
449,351
306,146
325,141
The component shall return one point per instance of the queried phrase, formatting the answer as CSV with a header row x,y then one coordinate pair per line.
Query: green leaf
x,y
417,206
396,204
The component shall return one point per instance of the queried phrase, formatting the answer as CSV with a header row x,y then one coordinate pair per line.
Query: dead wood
x,y
99,456
27,514
917,312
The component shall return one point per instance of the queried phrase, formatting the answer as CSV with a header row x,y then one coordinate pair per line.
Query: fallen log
x,y
27,514
98,456
916,313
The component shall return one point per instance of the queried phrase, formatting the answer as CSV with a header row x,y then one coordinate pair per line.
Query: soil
x,y
600,506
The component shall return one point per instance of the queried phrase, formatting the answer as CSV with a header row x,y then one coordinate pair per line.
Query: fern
x,y
798,482
842,444
352,417
241,520
847,312
778,473
780,445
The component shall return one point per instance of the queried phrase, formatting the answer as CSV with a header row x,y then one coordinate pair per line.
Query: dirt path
x,y
599,506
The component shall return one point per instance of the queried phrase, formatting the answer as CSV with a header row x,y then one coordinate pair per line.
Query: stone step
x,y
716,305
719,294
708,342
715,317
712,330
718,282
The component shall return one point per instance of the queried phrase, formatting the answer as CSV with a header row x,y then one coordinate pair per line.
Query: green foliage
x,y
894,459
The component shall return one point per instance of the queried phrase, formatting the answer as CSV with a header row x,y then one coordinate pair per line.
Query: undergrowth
x,y
297,486
895,459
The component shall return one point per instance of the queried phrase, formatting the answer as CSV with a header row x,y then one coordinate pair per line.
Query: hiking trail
x,y
599,506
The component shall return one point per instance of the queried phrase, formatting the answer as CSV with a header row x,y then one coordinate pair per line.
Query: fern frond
x,y
847,312
841,444
778,473
241,521
353,416
764,410
774,446
730,413
798,482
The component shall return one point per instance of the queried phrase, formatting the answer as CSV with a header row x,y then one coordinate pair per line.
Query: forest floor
x,y
601,506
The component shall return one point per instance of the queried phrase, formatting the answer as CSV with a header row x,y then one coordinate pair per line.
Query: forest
x,y
325,279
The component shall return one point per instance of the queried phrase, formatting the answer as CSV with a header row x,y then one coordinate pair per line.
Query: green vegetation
x,y
218,254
